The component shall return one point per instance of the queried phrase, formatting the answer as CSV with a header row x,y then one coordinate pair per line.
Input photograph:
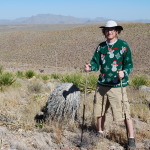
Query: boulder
x,y
144,88
63,102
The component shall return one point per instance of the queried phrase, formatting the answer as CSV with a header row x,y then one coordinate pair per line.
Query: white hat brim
x,y
119,27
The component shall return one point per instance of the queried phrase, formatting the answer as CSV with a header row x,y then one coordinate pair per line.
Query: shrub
x,y
76,78
55,76
92,81
79,80
6,78
138,81
45,77
20,74
29,74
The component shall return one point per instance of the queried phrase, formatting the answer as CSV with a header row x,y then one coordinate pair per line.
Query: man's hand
x,y
120,74
87,67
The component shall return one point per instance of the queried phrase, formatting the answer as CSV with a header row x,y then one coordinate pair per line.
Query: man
x,y
113,58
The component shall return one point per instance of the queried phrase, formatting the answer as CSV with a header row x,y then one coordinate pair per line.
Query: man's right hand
x,y
87,67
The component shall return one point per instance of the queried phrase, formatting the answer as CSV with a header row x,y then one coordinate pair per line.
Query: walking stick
x,y
93,112
83,115
124,108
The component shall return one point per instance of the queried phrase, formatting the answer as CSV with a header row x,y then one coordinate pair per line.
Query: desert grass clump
x,y
140,80
29,74
35,87
55,76
141,111
6,79
76,78
79,80
92,82
45,77
20,74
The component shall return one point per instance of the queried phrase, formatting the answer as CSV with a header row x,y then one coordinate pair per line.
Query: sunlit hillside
x,y
66,46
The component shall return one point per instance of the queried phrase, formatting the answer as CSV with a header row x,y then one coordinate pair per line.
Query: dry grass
x,y
29,102
19,105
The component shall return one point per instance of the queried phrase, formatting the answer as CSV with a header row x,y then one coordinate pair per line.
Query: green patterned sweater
x,y
109,59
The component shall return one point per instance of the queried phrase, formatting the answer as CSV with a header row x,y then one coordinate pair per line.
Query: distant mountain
x,y
57,19
51,19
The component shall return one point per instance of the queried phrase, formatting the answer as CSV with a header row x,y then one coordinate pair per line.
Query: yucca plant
x,y
29,74
79,80
92,81
140,80
6,78
75,78
56,76
45,77
20,74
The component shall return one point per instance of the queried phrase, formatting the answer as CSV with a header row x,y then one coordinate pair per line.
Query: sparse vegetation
x,y
23,100
78,79
139,80
29,74
35,87
56,76
20,74
6,79
141,111
45,77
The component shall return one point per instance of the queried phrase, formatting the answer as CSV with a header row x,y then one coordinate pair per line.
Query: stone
x,y
63,102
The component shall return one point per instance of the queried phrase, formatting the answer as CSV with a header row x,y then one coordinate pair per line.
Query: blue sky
x,y
111,9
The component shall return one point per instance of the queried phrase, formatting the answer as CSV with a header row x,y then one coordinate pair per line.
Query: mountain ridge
x,y
51,19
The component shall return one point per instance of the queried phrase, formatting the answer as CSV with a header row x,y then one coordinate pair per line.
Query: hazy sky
x,y
112,9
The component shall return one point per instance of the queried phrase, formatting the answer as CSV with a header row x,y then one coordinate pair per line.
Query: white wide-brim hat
x,y
110,24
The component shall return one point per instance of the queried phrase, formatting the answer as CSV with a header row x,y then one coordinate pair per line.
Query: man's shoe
x,y
131,144
100,134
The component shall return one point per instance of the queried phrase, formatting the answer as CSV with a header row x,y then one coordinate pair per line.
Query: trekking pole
x,y
83,115
93,112
124,108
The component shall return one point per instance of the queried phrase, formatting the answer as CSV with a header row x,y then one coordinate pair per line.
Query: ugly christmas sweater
x,y
109,59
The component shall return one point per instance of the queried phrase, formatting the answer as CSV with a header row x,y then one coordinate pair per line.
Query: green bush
x,y
45,77
92,82
6,78
79,80
76,78
140,80
56,76
20,74
29,74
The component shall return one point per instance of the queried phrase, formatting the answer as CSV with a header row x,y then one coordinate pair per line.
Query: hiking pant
x,y
112,97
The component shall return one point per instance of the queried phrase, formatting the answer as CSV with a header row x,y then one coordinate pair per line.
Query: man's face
x,y
110,33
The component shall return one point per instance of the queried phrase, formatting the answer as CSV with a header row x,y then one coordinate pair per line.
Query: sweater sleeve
x,y
95,61
127,61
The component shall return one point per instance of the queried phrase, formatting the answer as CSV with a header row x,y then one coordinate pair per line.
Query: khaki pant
x,y
106,97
